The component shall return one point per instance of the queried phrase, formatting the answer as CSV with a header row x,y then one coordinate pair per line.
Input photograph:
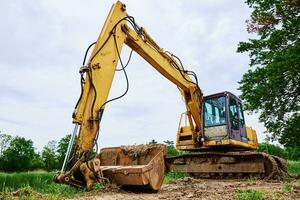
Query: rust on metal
x,y
229,164
139,165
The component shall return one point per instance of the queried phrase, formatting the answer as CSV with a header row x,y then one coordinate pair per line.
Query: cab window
x,y
214,111
233,113
241,114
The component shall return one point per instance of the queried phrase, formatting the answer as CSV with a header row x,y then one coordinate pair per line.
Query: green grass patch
x,y
98,186
287,187
12,181
248,195
294,167
173,176
28,184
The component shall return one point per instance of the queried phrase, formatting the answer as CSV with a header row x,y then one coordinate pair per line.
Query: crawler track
x,y
229,165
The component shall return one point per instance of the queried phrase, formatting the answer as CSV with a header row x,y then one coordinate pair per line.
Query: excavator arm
x,y
101,68
145,166
97,76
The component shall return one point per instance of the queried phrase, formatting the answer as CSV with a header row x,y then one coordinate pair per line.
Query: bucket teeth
x,y
138,166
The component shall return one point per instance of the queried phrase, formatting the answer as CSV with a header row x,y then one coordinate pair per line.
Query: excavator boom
x,y
97,76
102,65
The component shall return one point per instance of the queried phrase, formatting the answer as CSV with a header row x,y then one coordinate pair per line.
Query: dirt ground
x,y
189,188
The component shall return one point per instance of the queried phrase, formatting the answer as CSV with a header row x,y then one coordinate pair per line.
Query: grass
x,y
172,176
248,195
287,187
98,186
274,195
32,183
13,181
42,183
294,167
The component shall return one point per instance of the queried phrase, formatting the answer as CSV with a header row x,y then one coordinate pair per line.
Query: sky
x,y
43,43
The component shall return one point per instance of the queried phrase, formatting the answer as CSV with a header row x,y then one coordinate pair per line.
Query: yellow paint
x,y
252,137
102,78
102,75
230,143
102,69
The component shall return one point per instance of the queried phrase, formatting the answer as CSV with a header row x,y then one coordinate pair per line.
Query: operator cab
x,y
224,118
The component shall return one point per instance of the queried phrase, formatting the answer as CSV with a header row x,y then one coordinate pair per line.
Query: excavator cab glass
x,y
224,118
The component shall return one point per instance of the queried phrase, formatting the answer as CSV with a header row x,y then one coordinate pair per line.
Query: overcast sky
x,y
42,46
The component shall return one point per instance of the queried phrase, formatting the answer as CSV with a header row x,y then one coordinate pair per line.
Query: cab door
x,y
234,124
236,120
242,123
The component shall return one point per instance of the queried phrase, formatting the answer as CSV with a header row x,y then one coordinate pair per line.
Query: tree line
x,y
288,153
18,154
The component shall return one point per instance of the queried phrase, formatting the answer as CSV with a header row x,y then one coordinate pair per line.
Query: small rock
x,y
187,179
162,197
190,195
243,185
296,189
203,187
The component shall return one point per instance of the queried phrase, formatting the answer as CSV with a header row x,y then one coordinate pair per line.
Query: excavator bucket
x,y
137,166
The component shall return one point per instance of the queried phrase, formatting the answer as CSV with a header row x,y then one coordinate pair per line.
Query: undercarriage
x,y
229,165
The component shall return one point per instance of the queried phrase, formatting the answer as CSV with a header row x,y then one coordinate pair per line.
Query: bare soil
x,y
135,151
206,189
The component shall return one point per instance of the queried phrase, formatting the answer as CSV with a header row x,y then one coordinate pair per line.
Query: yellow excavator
x,y
212,129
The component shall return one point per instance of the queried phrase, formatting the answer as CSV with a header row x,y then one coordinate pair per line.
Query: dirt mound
x,y
136,151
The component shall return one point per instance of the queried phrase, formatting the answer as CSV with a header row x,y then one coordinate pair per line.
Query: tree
x,y
171,150
49,156
18,156
273,150
153,141
37,162
291,135
272,84
4,142
62,149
